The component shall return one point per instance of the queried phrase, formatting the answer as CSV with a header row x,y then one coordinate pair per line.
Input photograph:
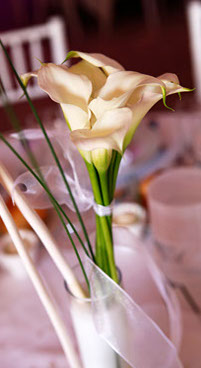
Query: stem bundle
x,y
103,185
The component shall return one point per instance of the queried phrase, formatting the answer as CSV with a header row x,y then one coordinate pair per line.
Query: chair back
x,y
25,46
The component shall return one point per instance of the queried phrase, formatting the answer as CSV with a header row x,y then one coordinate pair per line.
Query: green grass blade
x,y
57,207
54,201
17,126
51,148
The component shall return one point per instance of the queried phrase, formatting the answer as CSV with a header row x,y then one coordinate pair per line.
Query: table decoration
x,y
9,258
130,215
175,209
175,219
103,104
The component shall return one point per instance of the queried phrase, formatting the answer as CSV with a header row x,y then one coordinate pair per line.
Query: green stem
x,y
101,252
93,175
104,184
103,225
111,172
115,173
104,187
106,230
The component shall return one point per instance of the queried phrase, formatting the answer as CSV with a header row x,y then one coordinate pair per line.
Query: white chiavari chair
x,y
25,46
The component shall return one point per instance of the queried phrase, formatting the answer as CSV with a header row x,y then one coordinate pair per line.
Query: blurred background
x,y
148,36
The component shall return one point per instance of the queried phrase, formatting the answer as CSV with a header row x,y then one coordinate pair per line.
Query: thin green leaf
x,y
51,149
57,207
45,188
17,126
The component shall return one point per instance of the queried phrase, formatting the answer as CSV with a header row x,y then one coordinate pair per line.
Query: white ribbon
x,y
38,198
103,210
72,164
123,324
170,299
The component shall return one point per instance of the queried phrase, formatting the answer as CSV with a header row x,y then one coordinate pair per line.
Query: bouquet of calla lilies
x,y
103,105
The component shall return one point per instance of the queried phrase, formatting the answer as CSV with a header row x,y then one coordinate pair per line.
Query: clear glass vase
x,y
95,352
118,319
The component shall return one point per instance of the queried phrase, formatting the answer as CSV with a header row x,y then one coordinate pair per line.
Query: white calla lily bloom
x,y
102,103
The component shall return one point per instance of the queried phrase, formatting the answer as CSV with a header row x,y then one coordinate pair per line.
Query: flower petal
x,y
99,106
101,159
75,117
172,84
94,74
169,77
124,81
147,95
107,64
149,86
63,86
25,78
108,132
140,109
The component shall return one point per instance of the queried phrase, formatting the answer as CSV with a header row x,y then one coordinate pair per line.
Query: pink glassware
x,y
174,200
175,214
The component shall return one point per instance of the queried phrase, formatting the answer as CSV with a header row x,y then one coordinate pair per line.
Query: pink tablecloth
x,y
27,339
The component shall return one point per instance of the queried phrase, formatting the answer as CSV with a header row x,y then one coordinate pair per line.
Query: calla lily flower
x,y
102,103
